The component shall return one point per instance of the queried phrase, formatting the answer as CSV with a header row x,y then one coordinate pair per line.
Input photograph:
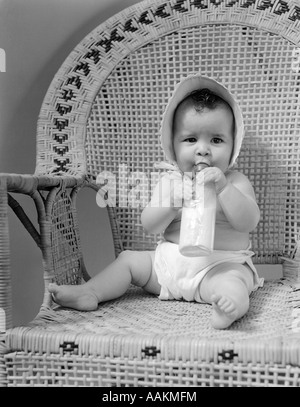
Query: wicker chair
x,y
102,113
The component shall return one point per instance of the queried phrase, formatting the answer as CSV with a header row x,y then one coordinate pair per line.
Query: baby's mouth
x,y
203,164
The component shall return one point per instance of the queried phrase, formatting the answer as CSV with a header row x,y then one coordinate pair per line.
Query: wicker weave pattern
x,y
66,250
122,132
69,370
5,278
133,82
138,341
165,324
61,128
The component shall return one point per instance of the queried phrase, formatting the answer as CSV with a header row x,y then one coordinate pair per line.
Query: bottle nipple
x,y
199,167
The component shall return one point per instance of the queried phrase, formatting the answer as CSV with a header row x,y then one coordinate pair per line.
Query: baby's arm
x,y
164,205
238,202
159,213
236,197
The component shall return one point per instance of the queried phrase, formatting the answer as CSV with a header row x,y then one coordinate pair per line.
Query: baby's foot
x,y
74,296
224,311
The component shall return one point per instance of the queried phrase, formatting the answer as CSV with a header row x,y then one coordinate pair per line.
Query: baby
x,y
202,123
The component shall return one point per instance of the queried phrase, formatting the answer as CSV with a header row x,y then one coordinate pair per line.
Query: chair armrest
x,y
46,191
27,183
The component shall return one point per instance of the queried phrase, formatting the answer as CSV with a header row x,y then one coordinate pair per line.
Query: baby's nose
x,y
202,148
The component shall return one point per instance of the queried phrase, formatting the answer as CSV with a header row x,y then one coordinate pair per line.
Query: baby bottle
x,y
198,219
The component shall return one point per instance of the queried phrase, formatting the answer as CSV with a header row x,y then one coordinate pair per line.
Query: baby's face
x,y
202,137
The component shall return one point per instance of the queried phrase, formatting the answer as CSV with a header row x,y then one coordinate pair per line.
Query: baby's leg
x,y
227,288
112,282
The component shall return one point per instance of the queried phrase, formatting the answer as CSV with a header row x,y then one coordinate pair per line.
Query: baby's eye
x,y
190,139
217,140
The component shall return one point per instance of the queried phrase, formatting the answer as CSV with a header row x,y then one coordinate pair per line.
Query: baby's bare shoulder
x,y
233,175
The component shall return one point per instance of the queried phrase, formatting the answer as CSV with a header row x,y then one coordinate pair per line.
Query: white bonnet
x,y
181,91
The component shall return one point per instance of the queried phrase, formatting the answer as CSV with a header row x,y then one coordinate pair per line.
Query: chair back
x,y
101,116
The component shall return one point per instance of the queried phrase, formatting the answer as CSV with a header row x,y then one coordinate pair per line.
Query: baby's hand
x,y
213,174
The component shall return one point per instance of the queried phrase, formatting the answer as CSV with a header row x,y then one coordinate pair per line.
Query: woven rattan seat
x,y
101,115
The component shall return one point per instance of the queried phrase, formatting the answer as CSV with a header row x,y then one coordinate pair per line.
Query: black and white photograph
x,y
149,196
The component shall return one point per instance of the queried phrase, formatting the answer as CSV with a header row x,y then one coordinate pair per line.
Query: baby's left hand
x,y
213,174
